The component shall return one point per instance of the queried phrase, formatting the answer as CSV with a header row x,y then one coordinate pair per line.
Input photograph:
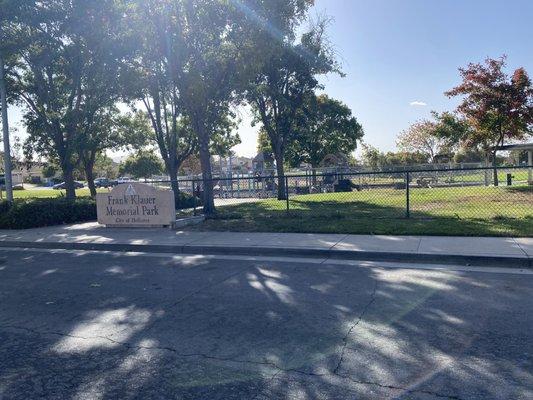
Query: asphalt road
x,y
77,325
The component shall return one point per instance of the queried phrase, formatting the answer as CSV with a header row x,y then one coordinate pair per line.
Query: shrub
x,y
185,200
34,213
343,185
4,207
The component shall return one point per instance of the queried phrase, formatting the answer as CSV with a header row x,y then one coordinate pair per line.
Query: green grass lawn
x,y
458,177
518,175
46,193
468,211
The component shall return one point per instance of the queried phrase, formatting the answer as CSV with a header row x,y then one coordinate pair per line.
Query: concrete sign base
x,y
136,205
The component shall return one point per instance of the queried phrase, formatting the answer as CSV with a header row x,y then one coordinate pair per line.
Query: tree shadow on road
x,y
93,326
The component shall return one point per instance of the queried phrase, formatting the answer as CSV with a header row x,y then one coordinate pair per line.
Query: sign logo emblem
x,y
130,191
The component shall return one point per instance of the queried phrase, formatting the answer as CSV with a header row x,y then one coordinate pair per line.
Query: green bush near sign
x,y
38,212
34,213
185,201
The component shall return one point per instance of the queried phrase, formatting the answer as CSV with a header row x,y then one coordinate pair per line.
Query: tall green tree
x,y
12,41
190,66
325,126
498,107
442,135
70,73
285,74
377,160
214,65
450,128
372,156
421,137
160,66
109,130
104,166
143,164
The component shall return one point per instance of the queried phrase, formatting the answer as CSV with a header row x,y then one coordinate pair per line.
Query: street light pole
x,y
5,129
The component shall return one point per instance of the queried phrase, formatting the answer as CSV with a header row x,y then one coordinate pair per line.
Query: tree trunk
x,y
68,175
313,180
282,195
89,173
173,175
486,172
88,168
207,177
495,169
5,131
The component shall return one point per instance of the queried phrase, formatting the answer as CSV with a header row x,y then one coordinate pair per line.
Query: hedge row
x,y
34,213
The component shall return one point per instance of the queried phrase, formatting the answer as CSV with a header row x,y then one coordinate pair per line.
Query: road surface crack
x,y
354,325
207,287
166,308
269,364
404,389
139,347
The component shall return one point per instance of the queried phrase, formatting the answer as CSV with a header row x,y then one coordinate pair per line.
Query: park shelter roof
x,y
519,146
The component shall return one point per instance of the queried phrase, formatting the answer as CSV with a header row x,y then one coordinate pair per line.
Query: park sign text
x,y
136,205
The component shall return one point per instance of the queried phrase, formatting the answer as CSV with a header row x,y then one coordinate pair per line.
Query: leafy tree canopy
x,y
70,73
285,75
498,107
377,160
143,164
190,68
421,137
324,127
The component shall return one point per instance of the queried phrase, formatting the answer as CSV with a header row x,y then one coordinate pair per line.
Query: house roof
x,y
260,157
263,156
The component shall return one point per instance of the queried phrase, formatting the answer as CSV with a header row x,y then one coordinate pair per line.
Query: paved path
x,y
236,200
332,245
92,325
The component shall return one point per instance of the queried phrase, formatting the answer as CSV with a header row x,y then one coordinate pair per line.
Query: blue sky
x,y
396,52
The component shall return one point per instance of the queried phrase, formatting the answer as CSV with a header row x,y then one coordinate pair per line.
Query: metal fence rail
x,y
462,193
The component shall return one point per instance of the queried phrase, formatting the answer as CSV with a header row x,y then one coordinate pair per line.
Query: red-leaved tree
x,y
498,107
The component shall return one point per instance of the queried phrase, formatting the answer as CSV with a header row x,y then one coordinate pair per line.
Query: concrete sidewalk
x,y
514,252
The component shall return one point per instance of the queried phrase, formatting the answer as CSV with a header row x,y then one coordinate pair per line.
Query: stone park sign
x,y
136,205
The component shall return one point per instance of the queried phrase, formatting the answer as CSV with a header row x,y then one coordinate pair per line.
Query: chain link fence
x,y
479,193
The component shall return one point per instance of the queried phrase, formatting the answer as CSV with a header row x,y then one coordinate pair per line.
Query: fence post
x,y
193,191
407,199
287,191
530,169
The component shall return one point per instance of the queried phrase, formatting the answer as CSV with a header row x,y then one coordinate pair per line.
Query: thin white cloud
x,y
417,104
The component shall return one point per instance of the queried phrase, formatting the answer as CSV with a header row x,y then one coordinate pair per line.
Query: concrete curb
x,y
450,259
183,222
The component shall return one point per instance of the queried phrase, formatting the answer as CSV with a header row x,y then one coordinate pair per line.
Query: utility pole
x,y
5,129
